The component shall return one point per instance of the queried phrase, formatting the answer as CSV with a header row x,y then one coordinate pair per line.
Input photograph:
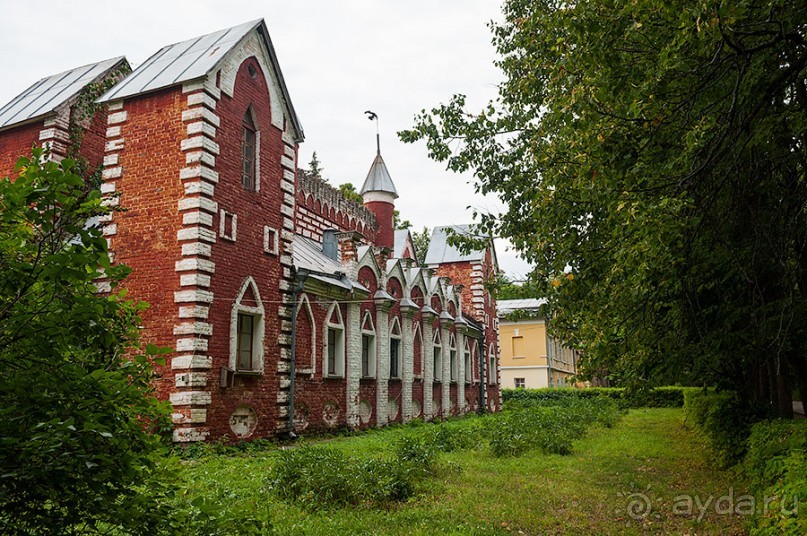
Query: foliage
x,y
421,240
315,167
506,289
322,477
722,421
660,397
81,443
549,425
349,192
652,157
776,465
768,443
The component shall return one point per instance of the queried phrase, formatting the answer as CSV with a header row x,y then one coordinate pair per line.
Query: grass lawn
x,y
604,487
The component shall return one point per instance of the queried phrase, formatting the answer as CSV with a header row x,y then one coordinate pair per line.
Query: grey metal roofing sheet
x,y
181,62
378,178
308,254
48,94
505,307
400,243
440,251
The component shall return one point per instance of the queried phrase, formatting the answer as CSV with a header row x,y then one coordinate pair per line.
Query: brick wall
x,y
16,142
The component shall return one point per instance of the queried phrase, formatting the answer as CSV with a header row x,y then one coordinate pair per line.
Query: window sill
x,y
248,372
395,378
332,377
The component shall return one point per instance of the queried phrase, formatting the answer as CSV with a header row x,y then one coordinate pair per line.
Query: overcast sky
x,y
339,58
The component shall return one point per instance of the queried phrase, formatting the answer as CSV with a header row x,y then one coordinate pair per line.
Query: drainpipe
x,y
300,276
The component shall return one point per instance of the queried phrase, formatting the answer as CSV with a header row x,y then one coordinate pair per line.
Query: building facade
x,y
284,304
530,357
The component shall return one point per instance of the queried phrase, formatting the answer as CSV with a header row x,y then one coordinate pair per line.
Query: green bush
x,y
549,425
768,444
323,477
722,422
660,397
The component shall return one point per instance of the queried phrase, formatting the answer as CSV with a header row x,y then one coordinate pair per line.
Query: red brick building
x,y
287,307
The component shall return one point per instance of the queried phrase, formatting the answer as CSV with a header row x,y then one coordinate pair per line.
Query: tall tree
x,y
80,448
315,166
656,148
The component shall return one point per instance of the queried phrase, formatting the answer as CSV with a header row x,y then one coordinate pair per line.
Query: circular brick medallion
x,y
330,413
365,411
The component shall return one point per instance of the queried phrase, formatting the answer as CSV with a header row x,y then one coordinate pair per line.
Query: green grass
x,y
648,451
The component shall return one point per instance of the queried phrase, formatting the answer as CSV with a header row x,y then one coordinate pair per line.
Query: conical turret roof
x,y
378,178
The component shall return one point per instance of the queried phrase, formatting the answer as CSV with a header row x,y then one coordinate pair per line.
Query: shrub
x,y
770,442
660,397
722,421
323,477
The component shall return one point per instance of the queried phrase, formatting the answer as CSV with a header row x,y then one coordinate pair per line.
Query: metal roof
x,y
308,254
194,59
378,178
401,236
440,251
50,93
180,62
532,305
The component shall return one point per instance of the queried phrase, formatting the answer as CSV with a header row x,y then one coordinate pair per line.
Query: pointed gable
x,y
198,58
52,93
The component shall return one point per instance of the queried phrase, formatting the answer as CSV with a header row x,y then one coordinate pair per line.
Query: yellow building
x,y
529,356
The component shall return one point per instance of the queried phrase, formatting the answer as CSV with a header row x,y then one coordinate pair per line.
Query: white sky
x,y
339,58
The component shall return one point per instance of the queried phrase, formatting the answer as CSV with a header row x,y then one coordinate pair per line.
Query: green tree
x,y
652,154
421,242
315,166
80,447
349,192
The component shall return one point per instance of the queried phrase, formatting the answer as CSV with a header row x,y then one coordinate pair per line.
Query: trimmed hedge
x,y
660,397
722,422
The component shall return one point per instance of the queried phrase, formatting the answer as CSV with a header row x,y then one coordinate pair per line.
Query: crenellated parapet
x,y
321,206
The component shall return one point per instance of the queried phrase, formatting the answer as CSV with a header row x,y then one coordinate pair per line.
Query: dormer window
x,y
249,149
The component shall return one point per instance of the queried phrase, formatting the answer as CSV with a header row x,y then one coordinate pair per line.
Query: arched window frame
x,y
437,352
452,357
250,151
333,341
467,360
417,338
395,350
304,306
492,369
368,346
238,335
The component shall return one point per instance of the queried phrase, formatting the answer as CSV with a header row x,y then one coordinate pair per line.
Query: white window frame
x,y
395,335
437,356
305,305
368,336
452,358
519,383
270,240
467,360
258,329
492,368
338,326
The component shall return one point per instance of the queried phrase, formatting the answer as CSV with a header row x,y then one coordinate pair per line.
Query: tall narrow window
x,y
333,335
366,340
245,341
334,358
368,353
395,350
467,360
438,356
246,330
248,152
452,355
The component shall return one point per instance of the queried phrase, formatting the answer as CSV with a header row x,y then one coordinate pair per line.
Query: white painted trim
x,y
257,340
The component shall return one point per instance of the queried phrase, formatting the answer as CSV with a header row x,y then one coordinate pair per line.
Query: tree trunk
x,y
784,392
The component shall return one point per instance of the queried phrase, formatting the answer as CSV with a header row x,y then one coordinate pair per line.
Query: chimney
x,y
329,247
